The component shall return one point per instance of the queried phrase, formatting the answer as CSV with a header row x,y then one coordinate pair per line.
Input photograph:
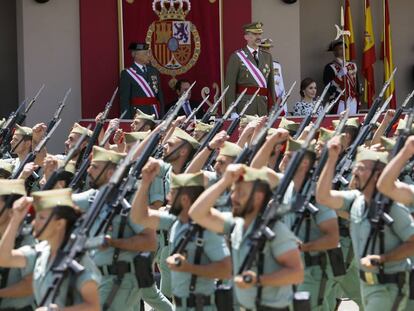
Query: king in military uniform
x,y
251,68
140,85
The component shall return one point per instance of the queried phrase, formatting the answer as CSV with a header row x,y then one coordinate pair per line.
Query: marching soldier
x,y
119,287
204,258
140,85
342,77
56,215
381,250
251,68
278,266
14,280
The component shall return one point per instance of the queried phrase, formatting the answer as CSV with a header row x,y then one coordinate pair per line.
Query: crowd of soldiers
x,y
260,213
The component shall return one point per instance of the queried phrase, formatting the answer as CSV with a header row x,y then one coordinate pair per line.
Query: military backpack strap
x,y
197,256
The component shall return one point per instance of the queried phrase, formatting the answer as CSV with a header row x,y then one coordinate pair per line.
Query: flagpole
x,y
120,36
344,56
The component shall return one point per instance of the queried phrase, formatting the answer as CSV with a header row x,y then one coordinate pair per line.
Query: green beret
x,y
288,125
6,166
387,143
140,115
255,27
325,134
354,122
230,150
179,133
133,137
79,129
12,186
203,127
187,180
23,130
247,119
294,145
103,155
371,155
49,199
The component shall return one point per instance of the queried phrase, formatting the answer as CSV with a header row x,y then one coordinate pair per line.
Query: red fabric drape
x,y
99,45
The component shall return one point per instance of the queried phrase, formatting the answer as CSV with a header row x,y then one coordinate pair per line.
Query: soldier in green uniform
x,y
381,251
15,284
55,217
280,266
206,256
251,68
119,287
140,85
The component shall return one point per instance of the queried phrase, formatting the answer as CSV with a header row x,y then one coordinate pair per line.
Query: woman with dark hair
x,y
308,93
56,215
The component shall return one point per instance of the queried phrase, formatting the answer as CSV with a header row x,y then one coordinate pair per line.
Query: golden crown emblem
x,y
171,9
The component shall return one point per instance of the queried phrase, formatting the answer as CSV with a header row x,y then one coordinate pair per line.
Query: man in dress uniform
x,y
266,45
251,68
140,85
342,77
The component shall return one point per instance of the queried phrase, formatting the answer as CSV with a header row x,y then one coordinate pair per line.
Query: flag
x,y
386,55
350,53
369,57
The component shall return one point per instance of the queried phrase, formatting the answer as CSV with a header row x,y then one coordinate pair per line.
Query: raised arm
x,y
199,161
265,152
10,257
388,182
140,211
376,139
324,193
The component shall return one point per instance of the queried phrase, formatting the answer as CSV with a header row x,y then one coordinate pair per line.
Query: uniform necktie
x,y
256,59
187,108
144,69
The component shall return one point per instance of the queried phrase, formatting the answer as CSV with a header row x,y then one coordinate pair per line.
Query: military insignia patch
x,y
174,42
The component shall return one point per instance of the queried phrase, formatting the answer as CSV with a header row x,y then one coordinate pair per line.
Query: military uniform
x,y
140,86
340,78
11,276
244,71
110,260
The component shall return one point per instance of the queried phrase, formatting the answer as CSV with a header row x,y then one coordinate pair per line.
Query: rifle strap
x,y
197,256
260,267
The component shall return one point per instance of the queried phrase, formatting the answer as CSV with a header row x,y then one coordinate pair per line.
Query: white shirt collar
x,y
251,50
140,66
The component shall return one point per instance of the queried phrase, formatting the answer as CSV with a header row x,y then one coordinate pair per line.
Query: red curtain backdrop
x,y
99,45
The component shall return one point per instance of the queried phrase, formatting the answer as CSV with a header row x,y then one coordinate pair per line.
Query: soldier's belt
x,y
121,267
372,278
250,90
144,101
193,300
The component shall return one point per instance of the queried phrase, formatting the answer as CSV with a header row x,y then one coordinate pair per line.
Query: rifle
x,y
305,200
213,108
219,123
398,114
232,127
378,100
120,205
306,120
78,180
58,112
16,117
77,244
249,152
263,231
344,166
54,178
32,155
193,113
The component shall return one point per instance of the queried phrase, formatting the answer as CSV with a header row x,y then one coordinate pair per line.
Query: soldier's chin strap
x,y
48,220
95,180
250,199
174,209
374,169
168,156
17,145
